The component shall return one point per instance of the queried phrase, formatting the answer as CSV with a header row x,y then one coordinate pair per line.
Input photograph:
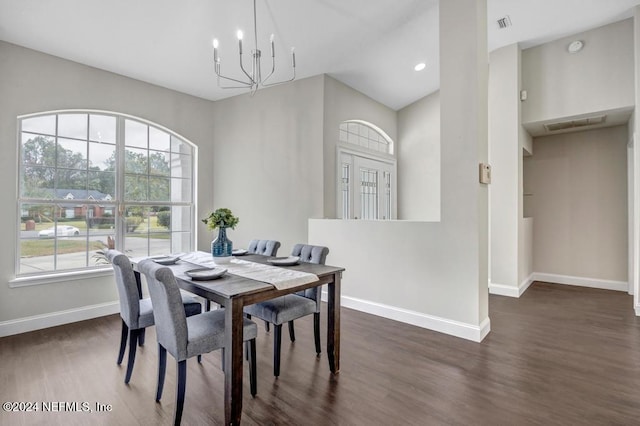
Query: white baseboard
x,y
509,290
581,281
37,322
443,325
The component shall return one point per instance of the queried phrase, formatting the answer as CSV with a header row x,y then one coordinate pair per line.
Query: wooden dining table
x,y
234,293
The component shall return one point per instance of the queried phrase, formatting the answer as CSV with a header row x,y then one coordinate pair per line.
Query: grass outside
x,y
31,248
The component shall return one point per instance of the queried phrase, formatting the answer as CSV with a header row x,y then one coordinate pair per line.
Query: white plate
x,y
239,252
205,274
165,260
284,261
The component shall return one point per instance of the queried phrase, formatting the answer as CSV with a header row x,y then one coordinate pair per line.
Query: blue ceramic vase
x,y
221,247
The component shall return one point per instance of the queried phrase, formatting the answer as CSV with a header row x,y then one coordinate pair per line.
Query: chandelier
x,y
254,77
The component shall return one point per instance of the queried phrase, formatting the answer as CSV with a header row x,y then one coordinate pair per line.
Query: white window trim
x,y
56,277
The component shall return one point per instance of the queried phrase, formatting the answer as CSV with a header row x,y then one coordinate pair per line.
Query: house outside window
x,y
93,179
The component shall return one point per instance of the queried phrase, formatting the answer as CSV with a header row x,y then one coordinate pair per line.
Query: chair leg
x,y
253,374
292,332
277,343
141,337
162,369
207,305
123,341
180,390
133,338
199,359
222,361
266,326
316,331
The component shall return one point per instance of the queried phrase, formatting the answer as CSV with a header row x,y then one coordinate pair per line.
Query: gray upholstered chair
x,y
185,337
136,312
292,306
264,247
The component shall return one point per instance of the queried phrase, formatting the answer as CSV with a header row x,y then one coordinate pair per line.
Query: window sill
x,y
60,277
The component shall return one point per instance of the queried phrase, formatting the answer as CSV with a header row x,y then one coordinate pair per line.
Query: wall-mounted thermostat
x,y
485,173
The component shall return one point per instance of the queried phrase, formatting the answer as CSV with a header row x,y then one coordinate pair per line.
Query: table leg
x,y
233,362
333,323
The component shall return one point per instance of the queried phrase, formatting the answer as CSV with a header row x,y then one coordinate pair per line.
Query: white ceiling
x,y
370,45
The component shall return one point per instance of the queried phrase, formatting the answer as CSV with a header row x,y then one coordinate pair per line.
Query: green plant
x,y
221,218
164,219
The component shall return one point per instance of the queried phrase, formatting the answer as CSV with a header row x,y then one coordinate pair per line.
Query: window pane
x,y
181,190
136,161
72,154
102,185
180,218
72,126
102,128
55,237
71,184
38,149
159,163
37,182
135,187
178,145
181,165
135,134
159,189
159,140
45,124
102,156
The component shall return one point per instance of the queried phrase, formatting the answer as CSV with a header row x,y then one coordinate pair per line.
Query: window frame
x,y
352,150
118,201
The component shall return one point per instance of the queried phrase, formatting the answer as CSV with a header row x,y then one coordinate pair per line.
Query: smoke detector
x,y
575,46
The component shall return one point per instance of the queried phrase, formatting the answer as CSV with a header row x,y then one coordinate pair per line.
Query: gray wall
x,y
418,156
268,163
34,82
598,78
579,203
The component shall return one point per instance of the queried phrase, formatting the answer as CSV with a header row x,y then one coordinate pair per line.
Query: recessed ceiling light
x,y
420,66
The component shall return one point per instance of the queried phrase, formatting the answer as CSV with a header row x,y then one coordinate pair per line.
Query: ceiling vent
x,y
504,22
573,124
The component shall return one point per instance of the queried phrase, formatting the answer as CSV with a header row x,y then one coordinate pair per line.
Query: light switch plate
x,y
485,173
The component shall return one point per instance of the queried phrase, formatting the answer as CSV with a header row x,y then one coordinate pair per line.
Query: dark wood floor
x,y
558,355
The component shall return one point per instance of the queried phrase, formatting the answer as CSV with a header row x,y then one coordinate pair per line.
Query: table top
x,y
229,285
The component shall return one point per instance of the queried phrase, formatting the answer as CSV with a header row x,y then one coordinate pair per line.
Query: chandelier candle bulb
x,y
273,55
215,50
240,35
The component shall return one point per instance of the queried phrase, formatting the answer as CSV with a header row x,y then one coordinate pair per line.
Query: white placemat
x,y
280,278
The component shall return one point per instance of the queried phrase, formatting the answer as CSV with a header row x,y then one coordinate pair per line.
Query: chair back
x,y
127,288
264,247
311,254
168,310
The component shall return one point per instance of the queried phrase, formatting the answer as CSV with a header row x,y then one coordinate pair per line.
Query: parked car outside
x,y
62,231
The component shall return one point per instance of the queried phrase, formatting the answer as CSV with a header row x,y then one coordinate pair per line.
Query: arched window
x,y
365,135
92,179
366,172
